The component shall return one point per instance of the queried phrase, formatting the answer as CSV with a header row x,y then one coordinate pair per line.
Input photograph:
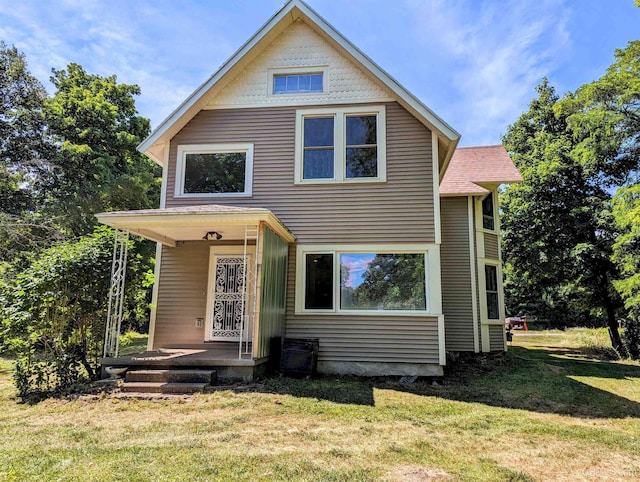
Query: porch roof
x,y
191,223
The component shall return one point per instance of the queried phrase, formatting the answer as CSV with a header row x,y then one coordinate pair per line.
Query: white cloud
x,y
496,53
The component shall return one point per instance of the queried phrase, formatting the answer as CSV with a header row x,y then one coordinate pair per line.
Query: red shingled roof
x,y
472,166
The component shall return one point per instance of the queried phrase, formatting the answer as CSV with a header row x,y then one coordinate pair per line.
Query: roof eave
x,y
297,8
140,222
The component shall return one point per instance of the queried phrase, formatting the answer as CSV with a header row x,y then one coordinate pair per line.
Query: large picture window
x,y
363,280
341,145
214,170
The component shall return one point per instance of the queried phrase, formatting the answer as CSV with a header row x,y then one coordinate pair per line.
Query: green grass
x,y
132,342
549,410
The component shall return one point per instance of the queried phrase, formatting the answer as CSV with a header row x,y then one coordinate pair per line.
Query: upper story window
x,y
341,145
297,83
212,170
488,214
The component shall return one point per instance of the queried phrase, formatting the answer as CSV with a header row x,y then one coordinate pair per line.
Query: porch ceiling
x,y
191,223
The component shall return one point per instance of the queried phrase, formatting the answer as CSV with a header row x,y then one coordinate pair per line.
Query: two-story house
x,y
307,194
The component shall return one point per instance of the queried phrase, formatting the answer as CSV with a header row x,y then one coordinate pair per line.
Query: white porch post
x,y
116,293
250,281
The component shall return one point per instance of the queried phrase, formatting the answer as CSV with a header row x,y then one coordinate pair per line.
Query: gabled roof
x,y
472,167
154,145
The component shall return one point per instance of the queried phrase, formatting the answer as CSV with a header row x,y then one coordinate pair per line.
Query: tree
x,y
557,231
98,168
24,151
604,118
626,253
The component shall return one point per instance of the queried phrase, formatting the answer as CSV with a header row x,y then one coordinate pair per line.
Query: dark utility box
x,y
299,356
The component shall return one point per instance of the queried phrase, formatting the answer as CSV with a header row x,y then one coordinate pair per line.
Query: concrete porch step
x,y
171,376
162,387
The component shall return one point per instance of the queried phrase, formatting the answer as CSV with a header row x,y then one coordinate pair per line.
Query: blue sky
x,y
475,63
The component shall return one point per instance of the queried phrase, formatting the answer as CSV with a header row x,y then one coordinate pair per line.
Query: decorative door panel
x,y
229,299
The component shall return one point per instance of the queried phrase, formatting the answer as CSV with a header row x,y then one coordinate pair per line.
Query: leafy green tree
x,y
24,152
98,168
557,230
626,253
604,118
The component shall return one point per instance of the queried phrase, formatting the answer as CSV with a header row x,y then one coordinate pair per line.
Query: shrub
x,y
53,313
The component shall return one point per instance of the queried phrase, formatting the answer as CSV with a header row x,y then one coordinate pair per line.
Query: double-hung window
x,y
341,145
362,279
214,170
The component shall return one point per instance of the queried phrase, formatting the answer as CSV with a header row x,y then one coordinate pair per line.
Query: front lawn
x,y
549,411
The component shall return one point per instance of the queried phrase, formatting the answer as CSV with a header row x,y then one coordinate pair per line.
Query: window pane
x,y
316,83
318,132
493,310
318,164
279,84
318,294
487,212
362,162
304,84
491,276
292,83
214,172
370,281
361,130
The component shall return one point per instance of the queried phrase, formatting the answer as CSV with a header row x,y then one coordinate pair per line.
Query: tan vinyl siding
x,y
491,246
408,339
182,294
456,274
497,338
273,291
399,210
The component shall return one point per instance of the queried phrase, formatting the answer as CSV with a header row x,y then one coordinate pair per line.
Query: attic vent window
x,y
297,83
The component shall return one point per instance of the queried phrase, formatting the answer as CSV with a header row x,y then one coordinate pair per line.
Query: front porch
x,y
219,291
220,357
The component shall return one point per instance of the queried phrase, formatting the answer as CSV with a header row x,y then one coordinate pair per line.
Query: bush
x,y
53,313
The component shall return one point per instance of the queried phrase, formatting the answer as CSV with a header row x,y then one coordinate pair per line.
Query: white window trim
x,y
213,149
339,142
432,274
318,69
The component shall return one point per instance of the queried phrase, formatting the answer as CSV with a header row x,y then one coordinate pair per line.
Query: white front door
x,y
229,298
